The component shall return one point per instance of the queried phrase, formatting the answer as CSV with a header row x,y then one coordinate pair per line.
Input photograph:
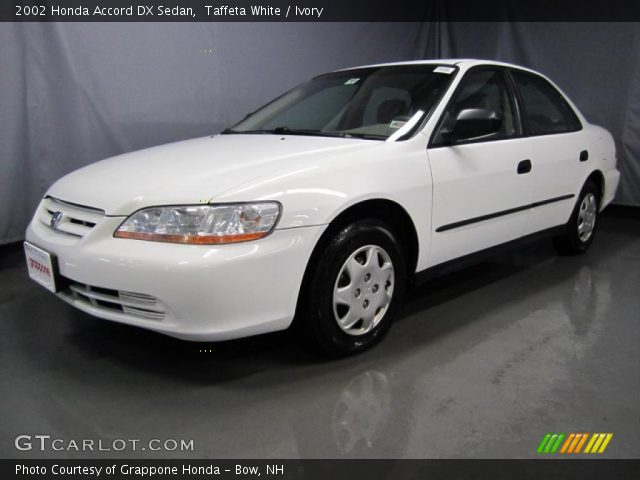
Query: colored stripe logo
x,y
573,443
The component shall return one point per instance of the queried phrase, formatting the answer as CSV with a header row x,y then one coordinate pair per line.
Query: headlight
x,y
202,224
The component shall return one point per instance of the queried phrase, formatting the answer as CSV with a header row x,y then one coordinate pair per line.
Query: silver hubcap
x,y
363,290
587,217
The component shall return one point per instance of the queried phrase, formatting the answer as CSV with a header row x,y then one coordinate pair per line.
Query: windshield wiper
x,y
314,133
277,131
295,131
320,133
365,136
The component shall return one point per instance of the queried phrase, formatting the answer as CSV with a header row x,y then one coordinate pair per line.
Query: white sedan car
x,y
323,204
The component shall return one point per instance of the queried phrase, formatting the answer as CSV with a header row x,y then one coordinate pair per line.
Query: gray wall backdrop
x,y
74,93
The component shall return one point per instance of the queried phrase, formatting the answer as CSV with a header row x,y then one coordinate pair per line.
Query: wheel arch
x,y
388,211
597,177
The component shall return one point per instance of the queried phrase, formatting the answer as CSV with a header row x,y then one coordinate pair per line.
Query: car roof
x,y
463,63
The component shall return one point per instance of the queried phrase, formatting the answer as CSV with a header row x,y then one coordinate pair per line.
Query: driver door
x,y
481,182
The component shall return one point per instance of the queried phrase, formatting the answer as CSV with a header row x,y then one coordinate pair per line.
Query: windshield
x,y
373,103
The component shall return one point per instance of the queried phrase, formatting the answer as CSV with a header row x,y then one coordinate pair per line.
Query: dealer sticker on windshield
x,y
352,81
446,70
397,123
40,266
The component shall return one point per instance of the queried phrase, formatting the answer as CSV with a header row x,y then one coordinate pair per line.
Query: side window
x,y
483,96
545,109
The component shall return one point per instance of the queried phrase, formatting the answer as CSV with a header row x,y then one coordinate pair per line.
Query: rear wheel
x,y
581,228
355,288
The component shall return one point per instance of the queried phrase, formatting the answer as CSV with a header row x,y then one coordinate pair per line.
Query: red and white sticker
x,y
40,266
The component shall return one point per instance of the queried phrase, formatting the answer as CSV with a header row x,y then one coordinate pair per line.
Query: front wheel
x,y
580,229
356,288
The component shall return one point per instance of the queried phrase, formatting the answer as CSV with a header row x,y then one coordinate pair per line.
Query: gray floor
x,y
482,363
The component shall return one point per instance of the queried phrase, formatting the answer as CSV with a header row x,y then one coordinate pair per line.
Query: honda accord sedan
x,y
318,209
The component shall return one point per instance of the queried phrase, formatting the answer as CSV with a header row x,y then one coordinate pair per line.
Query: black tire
x,y
318,320
571,241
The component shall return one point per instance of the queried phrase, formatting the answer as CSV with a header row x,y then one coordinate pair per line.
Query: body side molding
x,y
482,218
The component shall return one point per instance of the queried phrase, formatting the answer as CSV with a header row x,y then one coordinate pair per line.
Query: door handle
x,y
584,155
524,166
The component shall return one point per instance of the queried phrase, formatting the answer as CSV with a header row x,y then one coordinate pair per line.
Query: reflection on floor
x,y
483,363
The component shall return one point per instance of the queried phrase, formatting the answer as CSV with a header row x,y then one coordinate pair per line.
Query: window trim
x,y
520,99
512,91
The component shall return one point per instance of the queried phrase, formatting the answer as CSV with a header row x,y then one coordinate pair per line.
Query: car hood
x,y
191,171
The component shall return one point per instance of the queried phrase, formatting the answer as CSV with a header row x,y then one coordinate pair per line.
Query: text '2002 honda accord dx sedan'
x,y
321,205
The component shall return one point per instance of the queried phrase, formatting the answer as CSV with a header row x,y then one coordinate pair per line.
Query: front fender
x,y
317,191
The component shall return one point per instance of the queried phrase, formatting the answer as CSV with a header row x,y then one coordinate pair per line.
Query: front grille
x,y
138,305
71,219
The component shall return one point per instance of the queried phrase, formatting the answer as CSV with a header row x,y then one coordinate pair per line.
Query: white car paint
x,y
216,292
484,175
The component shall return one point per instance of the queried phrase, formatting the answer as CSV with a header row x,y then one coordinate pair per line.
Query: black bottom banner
x,y
321,469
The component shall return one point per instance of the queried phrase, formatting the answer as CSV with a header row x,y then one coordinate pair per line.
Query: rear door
x,y
481,185
559,150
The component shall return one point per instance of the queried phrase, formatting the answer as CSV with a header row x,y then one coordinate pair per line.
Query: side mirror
x,y
473,123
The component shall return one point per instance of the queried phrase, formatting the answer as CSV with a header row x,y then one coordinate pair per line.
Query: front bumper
x,y
205,293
